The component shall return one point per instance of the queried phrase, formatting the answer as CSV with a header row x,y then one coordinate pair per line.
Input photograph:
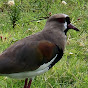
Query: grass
x,y
72,70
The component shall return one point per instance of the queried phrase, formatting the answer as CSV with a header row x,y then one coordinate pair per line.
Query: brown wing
x,y
26,56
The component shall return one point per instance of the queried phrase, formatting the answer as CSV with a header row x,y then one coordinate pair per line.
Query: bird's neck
x,y
55,36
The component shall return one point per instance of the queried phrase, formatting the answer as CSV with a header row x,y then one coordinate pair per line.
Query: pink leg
x,y
25,85
29,84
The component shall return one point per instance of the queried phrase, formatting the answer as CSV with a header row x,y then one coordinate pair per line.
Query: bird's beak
x,y
71,26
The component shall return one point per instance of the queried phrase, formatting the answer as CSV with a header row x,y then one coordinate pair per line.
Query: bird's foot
x,y
29,84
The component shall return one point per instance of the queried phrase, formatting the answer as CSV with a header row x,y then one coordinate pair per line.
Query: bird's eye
x,y
61,20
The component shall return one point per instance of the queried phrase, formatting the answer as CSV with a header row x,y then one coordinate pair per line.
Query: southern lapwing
x,y
37,53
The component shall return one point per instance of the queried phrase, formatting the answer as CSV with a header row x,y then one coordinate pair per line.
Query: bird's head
x,y
61,21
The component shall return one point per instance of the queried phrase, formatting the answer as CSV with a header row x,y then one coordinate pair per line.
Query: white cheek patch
x,y
65,25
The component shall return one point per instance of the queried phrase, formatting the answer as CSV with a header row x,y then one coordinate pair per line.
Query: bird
x,y
37,53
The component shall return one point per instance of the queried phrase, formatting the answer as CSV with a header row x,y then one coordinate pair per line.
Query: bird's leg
x,y
29,84
25,85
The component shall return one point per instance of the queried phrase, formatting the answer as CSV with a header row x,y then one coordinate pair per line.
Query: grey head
x,y
60,22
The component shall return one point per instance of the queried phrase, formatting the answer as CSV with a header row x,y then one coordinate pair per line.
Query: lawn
x,y
72,70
